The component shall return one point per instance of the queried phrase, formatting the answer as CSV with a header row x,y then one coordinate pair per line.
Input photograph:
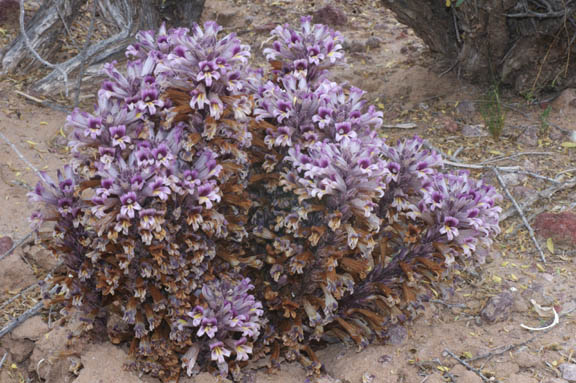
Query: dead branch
x,y
501,350
56,67
407,125
482,167
16,245
547,193
469,367
21,319
52,105
26,315
25,290
19,154
502,158
519,209
3,360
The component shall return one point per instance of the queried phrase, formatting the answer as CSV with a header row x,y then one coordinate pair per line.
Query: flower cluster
x,y
214,214
155,186
306,53
226,323
348,223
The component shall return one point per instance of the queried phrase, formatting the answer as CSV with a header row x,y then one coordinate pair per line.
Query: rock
x,y
449,125
105,363
566,101
498,308
373,42
527,360
529,136
367,377
31,329
464,375
474,131
5,244
14,274
556,134
465,108
568,371
20,349
43,258
330,15
521,304
354,46
384,359
561,227
397,335
46,360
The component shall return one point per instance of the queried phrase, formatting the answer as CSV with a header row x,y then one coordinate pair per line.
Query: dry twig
x,y
16,245
26,315
501,350
19,154
502,158
3,359
407,125
41,102
521,213
547,193
469,367
18,321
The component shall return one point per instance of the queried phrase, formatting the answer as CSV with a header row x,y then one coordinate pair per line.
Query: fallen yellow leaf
x,y
550,245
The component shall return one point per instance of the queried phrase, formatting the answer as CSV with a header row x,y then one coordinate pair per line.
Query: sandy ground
x,y
479,316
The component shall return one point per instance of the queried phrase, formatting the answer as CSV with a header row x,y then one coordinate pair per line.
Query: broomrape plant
x,y
213,214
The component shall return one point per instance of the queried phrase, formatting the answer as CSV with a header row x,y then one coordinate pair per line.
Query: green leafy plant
x,y
493,111
544,119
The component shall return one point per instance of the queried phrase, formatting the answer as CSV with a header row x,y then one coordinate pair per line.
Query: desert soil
x,y
477,315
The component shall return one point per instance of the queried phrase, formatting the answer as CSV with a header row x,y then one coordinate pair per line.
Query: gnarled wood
x,y
125,17
528,45
43,30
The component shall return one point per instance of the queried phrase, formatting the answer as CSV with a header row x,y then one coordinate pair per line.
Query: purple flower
x,y
208,72
197,316
199,98
323,118
216,106
218,352
344,131
207,194
208,327
129,204
450,227
242,349
149,102
119,137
